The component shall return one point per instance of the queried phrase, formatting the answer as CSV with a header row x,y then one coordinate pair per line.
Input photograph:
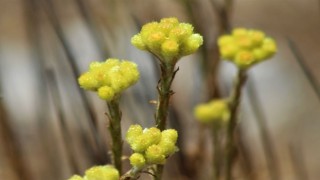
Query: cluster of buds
x,y
109,78
213,111
107,172
246,47
150,146
168,39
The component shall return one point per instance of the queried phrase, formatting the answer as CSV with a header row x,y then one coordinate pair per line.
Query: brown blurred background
x,y
50,129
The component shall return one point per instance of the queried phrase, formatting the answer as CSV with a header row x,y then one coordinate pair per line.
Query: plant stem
x,y
164,85
158,172
234,104
115,131
132,174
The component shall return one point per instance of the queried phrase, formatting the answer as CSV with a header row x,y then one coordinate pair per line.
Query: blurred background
x,y
51,129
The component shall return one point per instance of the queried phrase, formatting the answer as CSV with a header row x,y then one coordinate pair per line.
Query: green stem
x,y
115,131
234,104
132,174
167,76
159,171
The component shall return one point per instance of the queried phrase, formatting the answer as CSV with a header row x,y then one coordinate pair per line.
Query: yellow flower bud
x,y
244,42
147,29
94,65
257,37
168,147
216,110
239,32
88,82
136,40
154,41
154,155
224,40
137,160
229,51
167,24
76,177
181,32
133,132
260,54
102,173
191,44
170,49
244,59
106,93
269,46
154,134
170,135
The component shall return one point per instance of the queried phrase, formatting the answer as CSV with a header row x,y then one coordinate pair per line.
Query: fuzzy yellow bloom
x,y
76,177
246,47
102,173
107,172
137,160
109,78
155,155
168,39
214,111
155,146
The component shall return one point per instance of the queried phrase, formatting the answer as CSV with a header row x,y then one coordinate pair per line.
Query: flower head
x,y
107,172
168,39
109,78
246,47
151,146
214,111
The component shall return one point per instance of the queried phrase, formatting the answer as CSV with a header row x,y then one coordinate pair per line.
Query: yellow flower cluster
x,y
246,47
151,146
109,78
169,40
215,110
107,172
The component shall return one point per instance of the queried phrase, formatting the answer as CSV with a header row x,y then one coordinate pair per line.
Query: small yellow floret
x,y
170,134
225,39
244,59
168,147
170,48
76,177
238,32
155,155
133,132
106,93
229,51
137,160
136,40
216,110
192,44
88,82
102,173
